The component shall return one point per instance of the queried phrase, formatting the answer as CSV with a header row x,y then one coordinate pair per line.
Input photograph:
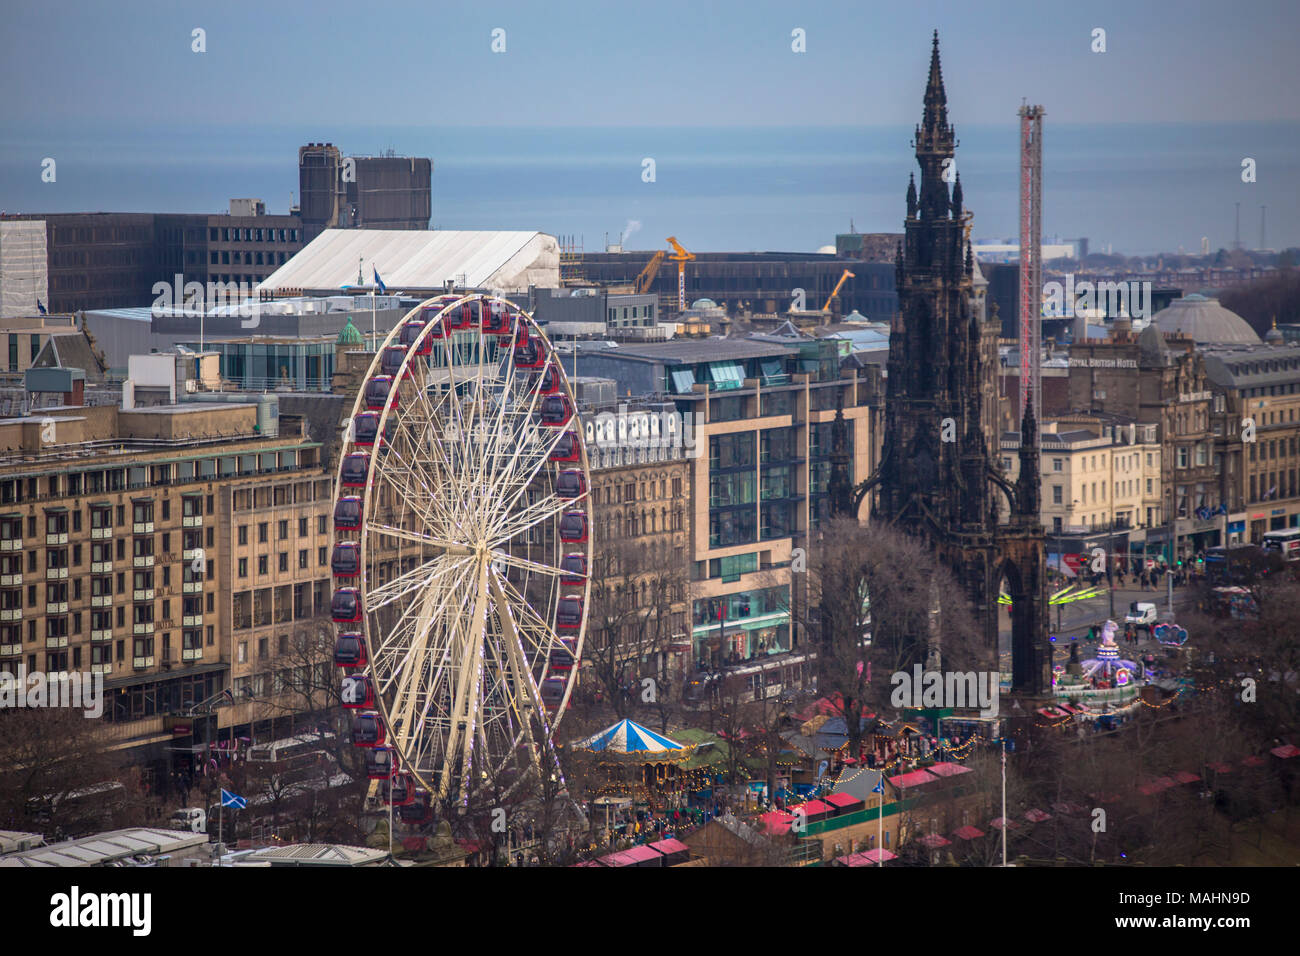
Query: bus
x,y
1285,542
759,678
1238,564
291,751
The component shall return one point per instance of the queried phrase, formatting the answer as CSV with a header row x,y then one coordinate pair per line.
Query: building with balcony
x,y
1256,426
129,545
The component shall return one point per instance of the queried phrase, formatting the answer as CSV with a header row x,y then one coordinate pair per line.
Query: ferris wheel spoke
x,y
524,564
514,525
421,577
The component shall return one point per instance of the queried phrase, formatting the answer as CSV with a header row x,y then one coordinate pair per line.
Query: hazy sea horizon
x,y
1141,188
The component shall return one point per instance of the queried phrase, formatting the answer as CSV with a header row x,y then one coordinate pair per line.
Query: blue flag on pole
x,y
229,799
383,289
880,785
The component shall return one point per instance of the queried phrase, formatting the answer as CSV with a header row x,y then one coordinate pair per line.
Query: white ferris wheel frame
x,y
476,573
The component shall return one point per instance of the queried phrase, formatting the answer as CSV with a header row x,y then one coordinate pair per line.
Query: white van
x,y
1141,614
190,820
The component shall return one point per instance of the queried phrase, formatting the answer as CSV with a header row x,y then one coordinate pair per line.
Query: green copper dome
x,y
348,335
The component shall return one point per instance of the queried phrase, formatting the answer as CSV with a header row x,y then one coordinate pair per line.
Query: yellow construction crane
x,y
647,277
836,291
681,257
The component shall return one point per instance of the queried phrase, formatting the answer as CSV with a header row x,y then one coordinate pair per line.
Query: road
x,y
1076,617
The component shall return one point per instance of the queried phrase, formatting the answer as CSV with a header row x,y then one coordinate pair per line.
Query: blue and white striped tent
x,y
629,737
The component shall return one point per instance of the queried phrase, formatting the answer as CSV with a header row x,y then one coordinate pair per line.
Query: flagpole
x,y
221,818
880,827
1004,803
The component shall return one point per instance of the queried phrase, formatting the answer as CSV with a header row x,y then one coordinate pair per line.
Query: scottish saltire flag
x,y
229,799
383,289
878,788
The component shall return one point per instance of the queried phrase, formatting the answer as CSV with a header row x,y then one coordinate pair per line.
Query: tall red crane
x,y
1031,259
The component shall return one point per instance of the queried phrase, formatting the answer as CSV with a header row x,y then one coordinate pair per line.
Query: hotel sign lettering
x,y
1103,363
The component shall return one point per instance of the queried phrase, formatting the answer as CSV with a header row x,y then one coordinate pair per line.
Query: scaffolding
x,y
571,251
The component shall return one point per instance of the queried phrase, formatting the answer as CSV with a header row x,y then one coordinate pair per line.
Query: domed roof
x,y
1205,321
704,304
348,335
1274,334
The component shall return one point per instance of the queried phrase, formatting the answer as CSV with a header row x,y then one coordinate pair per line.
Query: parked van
x,y
189,820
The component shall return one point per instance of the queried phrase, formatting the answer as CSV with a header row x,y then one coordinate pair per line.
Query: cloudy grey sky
x,y
670,63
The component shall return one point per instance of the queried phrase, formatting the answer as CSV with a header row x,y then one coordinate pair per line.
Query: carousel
x,y
628,760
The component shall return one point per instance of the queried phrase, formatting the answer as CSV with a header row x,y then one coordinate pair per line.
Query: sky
x,y
670,63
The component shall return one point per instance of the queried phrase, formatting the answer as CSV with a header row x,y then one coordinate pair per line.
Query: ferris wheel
x,y
462,545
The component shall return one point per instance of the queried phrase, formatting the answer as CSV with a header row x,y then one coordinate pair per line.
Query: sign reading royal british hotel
x,y
1103,363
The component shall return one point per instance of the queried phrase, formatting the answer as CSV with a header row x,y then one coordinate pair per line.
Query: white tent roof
x,y
422,259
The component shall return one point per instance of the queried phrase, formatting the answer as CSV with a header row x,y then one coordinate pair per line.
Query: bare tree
x,y
53,762
880,602
633,615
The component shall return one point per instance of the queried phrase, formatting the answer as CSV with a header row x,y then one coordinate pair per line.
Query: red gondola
x,y
355,470
462,317
345,562
345,606
574,567
419,810
572,483
391,359
368,730
357,692
381,763
568,448
410,333
400,790
556,411
347,513
350,650
548,383
365,429
496,321
529,352
573,527
377,393
553,692
568,614
563,657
